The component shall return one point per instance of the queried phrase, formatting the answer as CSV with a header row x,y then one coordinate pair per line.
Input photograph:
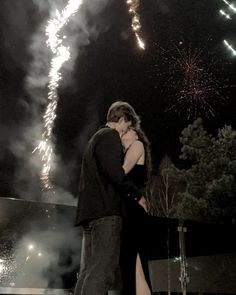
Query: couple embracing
x,y
115,168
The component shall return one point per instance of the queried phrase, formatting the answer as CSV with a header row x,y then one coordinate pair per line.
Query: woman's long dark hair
x,y
148,159
148,163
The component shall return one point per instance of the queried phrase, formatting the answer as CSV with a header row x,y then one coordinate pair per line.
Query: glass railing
x,y
40,252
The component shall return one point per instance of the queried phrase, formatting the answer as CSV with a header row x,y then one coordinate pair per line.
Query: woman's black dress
x,y
133,241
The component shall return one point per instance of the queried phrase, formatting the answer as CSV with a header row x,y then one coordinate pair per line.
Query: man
x,y
103,184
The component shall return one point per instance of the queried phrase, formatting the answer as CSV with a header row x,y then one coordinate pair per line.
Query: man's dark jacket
x,y
103,183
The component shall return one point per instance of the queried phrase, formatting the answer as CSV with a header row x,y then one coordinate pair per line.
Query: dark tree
x,y
210,192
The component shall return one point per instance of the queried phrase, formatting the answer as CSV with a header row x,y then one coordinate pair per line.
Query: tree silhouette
x,y
210,192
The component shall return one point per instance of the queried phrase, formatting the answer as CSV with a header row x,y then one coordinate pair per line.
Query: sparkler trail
x,y
231,6
7,266
226,15
60,55
230,47
136,24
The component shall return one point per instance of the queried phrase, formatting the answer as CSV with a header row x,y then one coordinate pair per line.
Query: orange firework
x,y
136,25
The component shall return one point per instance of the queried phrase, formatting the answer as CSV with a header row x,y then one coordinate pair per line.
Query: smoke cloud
x,y
47,252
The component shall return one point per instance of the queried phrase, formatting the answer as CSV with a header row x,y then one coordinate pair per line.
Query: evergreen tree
x,y
210,192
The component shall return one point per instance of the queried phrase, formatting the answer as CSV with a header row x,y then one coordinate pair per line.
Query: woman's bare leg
x,y
142,287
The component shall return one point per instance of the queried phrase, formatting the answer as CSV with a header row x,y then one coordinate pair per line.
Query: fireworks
x,y
30,247
190,82
7,270
60,55
196,85
230,47
231,6
136,24
2,266
226,15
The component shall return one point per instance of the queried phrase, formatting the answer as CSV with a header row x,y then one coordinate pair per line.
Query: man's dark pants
x,y
99,255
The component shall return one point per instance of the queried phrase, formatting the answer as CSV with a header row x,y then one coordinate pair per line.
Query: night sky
x,y
107,66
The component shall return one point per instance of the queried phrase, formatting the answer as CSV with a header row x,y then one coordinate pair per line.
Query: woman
x,y
134,263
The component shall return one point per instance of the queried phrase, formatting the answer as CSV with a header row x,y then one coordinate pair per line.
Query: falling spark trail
x,y
60,55
136,25
231,6
222,12
230,47
140,41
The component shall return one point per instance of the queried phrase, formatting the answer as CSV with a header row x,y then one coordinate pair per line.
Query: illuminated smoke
x,y
60,55
136,24
230,47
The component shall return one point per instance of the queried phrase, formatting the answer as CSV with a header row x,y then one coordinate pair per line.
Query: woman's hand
x,y
142,202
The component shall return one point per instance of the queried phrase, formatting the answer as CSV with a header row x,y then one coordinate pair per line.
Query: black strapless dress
x,y
133,238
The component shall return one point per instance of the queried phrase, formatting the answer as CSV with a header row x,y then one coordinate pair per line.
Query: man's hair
x,y
123,109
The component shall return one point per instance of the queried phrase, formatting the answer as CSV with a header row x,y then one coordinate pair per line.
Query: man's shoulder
x,y
106,132
107,137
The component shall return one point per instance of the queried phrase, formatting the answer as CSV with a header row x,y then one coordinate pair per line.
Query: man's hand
x,y
142,202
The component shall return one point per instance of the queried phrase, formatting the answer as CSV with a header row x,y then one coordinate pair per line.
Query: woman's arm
x,y
134,153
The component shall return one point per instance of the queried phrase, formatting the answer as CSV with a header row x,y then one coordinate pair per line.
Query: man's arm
x,y
131,158
109,154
